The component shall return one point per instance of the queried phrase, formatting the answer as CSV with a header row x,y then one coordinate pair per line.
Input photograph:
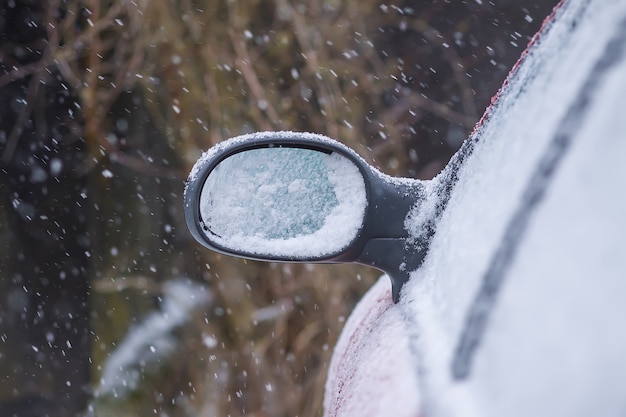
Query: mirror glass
x,y
284,202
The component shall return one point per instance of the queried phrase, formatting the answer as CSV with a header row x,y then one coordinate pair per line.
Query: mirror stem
x,y
390,248
396,257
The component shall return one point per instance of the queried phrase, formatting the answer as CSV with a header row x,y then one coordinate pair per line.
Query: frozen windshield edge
x,y
285,202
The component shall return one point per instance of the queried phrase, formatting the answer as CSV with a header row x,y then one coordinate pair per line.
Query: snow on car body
x,y
518,308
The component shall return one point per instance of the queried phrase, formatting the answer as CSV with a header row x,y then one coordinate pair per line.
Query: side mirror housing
x,y
302,197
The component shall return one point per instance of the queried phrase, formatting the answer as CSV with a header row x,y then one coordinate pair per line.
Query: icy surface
x,y
553,344
284,202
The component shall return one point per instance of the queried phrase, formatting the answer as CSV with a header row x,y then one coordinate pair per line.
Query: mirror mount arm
x,y
395,257
390,203
389,247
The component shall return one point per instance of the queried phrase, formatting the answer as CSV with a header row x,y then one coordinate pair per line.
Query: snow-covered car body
x,y
519,307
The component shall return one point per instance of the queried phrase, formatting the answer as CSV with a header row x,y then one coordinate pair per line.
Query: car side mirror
x,y
302,197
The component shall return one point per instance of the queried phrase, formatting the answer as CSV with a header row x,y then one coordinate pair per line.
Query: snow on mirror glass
x,y
284,202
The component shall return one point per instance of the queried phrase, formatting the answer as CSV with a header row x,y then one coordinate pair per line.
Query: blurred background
x,y
107,306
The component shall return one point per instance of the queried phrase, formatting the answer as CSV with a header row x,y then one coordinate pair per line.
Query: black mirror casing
x,y
382,240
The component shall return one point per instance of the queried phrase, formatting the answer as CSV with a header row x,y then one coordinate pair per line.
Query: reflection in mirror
x,y
285,202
